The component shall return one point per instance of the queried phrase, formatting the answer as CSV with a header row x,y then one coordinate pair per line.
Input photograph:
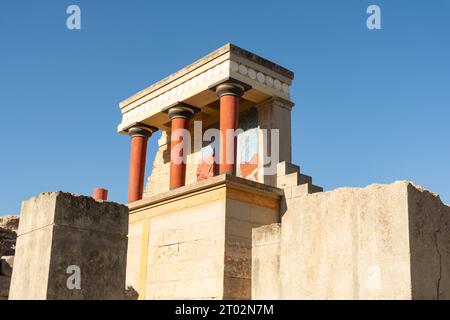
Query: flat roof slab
x,y
192,85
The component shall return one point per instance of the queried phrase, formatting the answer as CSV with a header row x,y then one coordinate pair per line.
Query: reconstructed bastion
x,y
234,218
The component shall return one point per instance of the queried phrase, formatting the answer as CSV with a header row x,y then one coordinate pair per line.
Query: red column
x,y
100,194
139,137
179,116
230,95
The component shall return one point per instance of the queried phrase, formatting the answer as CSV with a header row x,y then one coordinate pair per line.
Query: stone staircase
x,y
293,182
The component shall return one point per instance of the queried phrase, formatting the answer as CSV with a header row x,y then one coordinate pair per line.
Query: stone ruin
x,y
236,219
8,236
76,245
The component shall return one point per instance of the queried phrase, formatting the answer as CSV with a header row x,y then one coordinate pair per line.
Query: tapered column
x,y
139,136
230,95
100,194
180,115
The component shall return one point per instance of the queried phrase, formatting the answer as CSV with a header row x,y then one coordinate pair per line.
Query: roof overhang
x,y
192,85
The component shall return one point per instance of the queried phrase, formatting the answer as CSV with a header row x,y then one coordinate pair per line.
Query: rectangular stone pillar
x,y
273,114
70,247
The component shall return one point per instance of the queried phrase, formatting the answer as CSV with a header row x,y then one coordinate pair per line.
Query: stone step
x,y
301,190
315,189
285,168
293,179
303,178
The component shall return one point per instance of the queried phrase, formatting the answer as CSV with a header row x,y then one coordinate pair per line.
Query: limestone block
x,y
285,168
300,191
187,250
208,267
59,231
293,179
303,190
205,248
240,228
265,235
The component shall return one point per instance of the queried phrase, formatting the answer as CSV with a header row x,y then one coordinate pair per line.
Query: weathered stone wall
x,y
381,242
59,230
186,253
8,236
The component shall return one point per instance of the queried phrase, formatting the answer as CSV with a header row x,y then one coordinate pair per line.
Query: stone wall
x,y
381,242
8,236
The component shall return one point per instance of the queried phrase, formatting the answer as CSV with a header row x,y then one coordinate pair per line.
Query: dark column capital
x,y
181,110
230,89
141,130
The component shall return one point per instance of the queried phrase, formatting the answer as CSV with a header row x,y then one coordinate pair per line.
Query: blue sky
x,y
371,106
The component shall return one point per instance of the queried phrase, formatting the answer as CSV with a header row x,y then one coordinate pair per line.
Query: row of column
x,y
180,116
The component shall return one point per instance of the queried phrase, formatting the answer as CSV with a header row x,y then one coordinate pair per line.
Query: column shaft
x,y
138,154
229,110
177,153
230,96
137,167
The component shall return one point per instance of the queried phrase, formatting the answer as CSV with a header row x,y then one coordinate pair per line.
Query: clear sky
x,y
371,106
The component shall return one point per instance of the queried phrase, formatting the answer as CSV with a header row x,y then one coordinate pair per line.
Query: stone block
x,y
301,190
285,168
265,235
65,236
209,247
187,250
